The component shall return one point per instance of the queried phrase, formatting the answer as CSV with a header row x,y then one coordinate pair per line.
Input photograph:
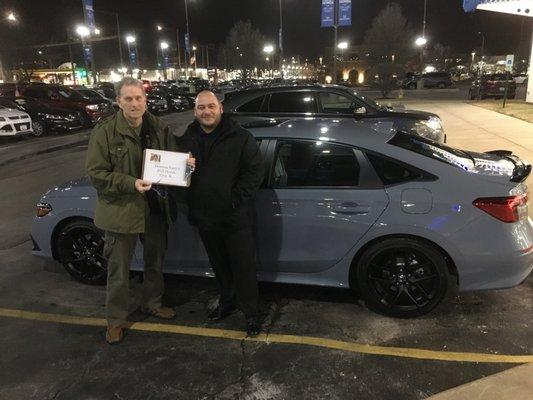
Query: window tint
x,y
292,102
36,93
392,172
309,163
333,103
252,106
434,150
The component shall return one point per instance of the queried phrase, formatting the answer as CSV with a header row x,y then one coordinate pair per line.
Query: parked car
x,y
156,104
45,118
14,122
439,80
492,85
97,94
520,78
304,101
175,99
346,206
90,109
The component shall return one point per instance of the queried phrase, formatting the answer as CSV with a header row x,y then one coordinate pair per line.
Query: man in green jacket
x,y
128,207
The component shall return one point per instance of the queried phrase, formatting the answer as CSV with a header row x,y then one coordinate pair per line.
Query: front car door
x,y
321,198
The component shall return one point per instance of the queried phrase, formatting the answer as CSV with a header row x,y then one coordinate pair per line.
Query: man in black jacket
x,y
229,171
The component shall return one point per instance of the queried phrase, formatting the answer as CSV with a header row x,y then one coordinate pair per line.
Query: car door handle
x,y
351,208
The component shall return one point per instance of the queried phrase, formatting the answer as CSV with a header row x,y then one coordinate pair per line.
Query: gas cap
x,y
416,201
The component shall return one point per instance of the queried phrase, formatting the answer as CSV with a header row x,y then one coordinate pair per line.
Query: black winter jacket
x,y
226,178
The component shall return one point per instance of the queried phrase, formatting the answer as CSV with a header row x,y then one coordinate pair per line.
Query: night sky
x,y
210,20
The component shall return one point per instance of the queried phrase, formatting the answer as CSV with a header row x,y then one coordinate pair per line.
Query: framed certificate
x,y
165,168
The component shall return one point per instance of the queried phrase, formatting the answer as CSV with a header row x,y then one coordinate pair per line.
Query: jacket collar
x,y
123,127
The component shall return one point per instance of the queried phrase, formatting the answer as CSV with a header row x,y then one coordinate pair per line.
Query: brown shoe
x,y
114,334
160,312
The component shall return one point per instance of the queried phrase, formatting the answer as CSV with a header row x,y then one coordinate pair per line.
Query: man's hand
x,y
142,186
191,162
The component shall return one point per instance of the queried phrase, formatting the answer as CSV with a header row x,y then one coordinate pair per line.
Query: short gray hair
x,y
128,81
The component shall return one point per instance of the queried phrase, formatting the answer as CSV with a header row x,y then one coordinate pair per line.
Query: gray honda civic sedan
x,y
401,219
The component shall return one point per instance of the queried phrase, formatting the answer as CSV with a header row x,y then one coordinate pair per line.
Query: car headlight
x,y
92,107
430,128
53,116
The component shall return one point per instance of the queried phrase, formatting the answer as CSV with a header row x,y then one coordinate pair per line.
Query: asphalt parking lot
x,y
318,343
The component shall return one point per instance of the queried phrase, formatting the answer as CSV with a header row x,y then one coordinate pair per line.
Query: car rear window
x,y
434,150
393,172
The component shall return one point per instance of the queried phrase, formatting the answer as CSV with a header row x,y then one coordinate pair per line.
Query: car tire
x,y
80,247
39,128
402,277
471,95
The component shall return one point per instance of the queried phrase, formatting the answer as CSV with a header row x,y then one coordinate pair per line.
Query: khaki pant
x,y
118,250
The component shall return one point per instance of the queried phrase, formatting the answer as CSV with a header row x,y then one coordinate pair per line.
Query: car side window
x,y
252,106
305,163
37,94
292,102
393,172
333,103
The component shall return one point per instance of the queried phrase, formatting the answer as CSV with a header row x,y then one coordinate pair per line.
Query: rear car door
x,y
320,199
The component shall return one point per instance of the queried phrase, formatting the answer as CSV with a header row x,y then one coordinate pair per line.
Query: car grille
x,y
22,127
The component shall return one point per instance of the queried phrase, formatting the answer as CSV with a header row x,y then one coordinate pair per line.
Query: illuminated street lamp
x,y
11,17
83,31
343,45
159,28
97,31
164,45
268,49
421,41
132,50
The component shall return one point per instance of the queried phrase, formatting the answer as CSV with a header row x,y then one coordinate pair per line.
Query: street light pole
x,y
335,28
187,51
280,39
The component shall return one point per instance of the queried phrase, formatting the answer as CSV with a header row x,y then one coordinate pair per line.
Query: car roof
x,y
284,88
362,133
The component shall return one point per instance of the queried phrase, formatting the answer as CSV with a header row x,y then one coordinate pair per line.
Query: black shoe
x,y
253,326
220,313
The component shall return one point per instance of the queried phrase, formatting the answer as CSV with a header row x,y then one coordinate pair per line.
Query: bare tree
x,y
442,56
385,76
242,48
389,35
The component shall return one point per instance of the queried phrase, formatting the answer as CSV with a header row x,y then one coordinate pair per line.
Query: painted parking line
x,y
273,338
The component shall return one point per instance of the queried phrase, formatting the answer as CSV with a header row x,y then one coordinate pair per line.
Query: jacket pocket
x,y
119,158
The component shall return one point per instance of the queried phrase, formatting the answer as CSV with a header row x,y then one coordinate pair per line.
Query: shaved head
x,y
208,110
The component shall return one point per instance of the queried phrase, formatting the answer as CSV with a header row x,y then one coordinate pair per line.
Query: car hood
x,y
75,188
12,112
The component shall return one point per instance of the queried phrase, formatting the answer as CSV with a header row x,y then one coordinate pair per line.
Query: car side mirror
x,y
360,110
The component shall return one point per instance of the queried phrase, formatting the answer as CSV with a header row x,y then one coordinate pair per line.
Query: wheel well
x,y
58,228
452,269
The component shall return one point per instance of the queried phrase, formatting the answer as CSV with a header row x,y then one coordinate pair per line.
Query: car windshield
x,y
369,101
89,94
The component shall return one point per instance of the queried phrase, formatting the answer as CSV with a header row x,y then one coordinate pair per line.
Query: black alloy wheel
x,y
80,247
402,277
39,128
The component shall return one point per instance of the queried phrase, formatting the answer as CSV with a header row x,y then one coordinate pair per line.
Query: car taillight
x,y
506,209
43,209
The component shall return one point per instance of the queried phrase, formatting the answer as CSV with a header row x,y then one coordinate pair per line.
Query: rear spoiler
x,y
521,169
